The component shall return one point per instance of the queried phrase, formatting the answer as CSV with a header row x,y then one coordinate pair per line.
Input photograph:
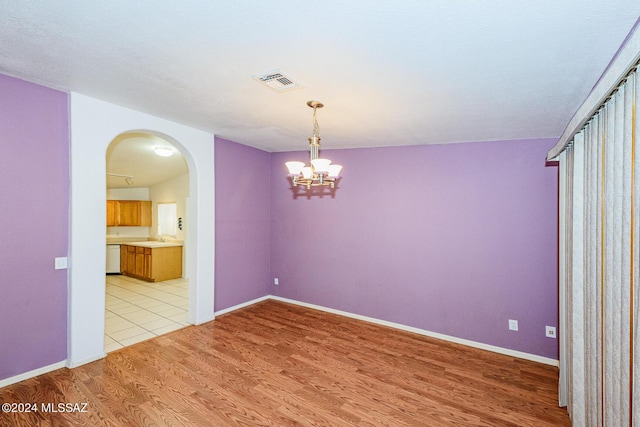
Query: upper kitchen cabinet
x,y
128,213
111,213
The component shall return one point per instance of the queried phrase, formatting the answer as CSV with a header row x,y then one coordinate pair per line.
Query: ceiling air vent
x,y
277,81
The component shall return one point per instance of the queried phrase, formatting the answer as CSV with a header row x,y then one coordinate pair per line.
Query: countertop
x,y
153,244
140,241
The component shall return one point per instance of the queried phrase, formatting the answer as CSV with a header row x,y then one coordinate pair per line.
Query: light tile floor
x,y
138,310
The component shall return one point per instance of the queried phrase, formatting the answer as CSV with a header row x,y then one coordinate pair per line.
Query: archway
x,y
94,124
147,193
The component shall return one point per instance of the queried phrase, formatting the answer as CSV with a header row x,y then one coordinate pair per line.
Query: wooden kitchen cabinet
x,y
124,261
127,259
151,264
145,213
128,213
111,213
148,262
139,265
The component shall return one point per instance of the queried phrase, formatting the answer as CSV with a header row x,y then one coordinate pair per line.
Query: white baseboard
x,y
202,320
469,343
31,374
71,364
244,304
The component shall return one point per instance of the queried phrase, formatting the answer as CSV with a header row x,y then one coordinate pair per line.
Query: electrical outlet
x,y
513,325
550,331
275,281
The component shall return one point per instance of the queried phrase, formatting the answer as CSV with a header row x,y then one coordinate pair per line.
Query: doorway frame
x,y
93,126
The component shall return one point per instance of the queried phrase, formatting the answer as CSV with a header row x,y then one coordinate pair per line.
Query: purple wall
x,y
242,224
456,239
34,212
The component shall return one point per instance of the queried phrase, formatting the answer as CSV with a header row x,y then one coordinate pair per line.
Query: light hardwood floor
x,y
278,364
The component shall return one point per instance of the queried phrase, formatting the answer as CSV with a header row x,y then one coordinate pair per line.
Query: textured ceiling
x,y
389,73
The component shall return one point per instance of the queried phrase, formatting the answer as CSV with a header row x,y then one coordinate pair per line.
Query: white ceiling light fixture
x,y
321,172
163,151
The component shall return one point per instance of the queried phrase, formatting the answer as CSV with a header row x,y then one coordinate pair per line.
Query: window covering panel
x,y
599,265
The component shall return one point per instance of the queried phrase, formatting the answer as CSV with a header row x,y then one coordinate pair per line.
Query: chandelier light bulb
x,y
334,171
320,165
307,173
294,168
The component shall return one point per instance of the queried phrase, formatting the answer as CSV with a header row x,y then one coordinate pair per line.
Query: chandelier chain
x,y
316,126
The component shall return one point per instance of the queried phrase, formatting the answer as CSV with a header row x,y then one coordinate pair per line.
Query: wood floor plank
x,y
276,364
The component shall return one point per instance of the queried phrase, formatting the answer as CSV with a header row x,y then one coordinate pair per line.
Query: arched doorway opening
x,y
147,282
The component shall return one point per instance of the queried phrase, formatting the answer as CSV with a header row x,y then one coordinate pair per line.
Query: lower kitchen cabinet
x,y
151,264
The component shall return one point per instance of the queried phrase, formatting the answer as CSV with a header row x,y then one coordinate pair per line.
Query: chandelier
x,y
321,172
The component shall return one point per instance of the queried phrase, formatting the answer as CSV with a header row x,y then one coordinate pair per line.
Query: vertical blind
x,y
599,265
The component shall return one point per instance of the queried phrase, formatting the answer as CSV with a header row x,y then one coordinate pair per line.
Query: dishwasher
x,y
113,259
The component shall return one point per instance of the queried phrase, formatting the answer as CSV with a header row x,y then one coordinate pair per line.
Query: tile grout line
x,y
146,298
